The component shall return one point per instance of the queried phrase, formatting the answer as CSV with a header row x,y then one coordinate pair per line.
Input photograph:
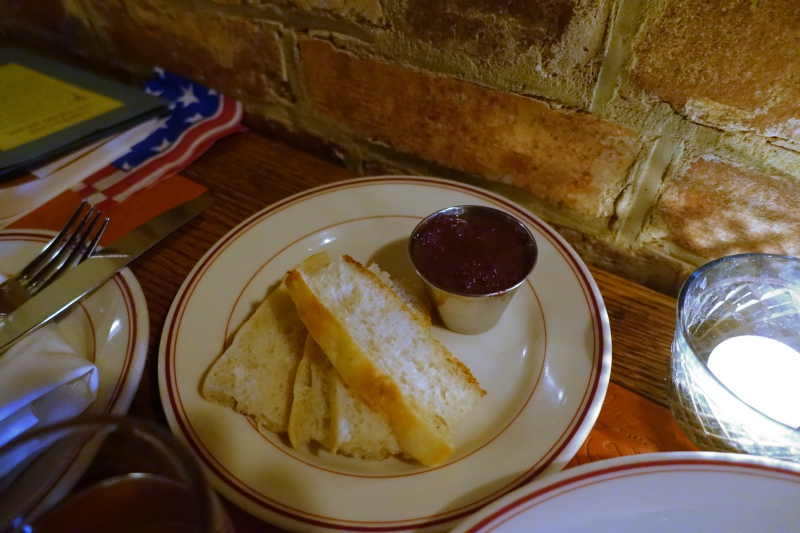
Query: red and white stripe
x,y
110,186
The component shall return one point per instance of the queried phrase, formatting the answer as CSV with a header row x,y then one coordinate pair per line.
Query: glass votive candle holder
x,y
732,315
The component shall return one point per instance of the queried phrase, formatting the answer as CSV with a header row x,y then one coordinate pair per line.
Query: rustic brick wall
x,y
655,135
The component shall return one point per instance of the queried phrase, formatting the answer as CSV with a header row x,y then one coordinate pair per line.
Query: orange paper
x,y
133,212
630,424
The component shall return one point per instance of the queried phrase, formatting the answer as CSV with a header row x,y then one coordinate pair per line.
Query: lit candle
x,y
763,372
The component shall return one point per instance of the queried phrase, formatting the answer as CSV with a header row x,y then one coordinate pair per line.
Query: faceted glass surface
x,y
752,294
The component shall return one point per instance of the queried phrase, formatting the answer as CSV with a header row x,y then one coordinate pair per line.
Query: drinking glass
x,y
748,294
104,474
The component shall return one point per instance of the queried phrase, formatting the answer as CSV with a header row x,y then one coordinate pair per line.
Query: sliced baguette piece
x,y
412,292
255,375
324,408
386,354
357,430
310,418
326,411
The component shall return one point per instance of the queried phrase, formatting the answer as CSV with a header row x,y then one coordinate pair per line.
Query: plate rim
x,y
641,464
560,453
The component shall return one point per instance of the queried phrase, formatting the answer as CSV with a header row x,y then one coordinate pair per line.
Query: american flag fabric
x,y
198,117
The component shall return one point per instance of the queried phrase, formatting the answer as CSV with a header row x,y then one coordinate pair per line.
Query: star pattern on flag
x,y
191,103
188,97
161,124
161,147
197,117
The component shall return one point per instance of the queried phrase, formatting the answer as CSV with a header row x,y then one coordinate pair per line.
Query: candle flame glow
x,y
762,372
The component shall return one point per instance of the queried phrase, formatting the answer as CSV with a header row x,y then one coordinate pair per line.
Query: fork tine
x,y
80,251
59,258
61,261
95,241
75,242
53,248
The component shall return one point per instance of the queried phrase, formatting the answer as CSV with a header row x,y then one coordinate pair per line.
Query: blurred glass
x,y
749,294
101,475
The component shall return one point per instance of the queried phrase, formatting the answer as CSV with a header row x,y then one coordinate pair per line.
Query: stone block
x,y
240,57
54,21
715,208
303,141
45,14
351,10
548,48
725,63
649,266
566,158
356,11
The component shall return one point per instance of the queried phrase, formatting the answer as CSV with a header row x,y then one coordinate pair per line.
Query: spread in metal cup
x,y
471,259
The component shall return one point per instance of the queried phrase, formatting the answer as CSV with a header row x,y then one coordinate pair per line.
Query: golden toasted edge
x,y
379,391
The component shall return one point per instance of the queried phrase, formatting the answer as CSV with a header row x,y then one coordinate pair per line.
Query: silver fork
x,y
75,242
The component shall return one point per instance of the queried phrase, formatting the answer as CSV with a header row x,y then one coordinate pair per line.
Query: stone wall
x,y
655,135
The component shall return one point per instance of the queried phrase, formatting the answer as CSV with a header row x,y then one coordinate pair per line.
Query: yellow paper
x,y
35,105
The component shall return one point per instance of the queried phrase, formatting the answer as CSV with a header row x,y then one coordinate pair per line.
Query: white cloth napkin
x,y
43,380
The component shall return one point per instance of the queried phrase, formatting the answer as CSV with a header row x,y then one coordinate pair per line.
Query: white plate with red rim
x,y
110,327
655,492
545,366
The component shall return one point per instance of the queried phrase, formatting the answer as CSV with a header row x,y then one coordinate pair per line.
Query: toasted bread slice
x,y
324,408
386,354
326,411
357,430
310,418
412,292
255,375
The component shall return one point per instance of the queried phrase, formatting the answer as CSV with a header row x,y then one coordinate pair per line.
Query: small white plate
x,y
674,491
545,366
110,327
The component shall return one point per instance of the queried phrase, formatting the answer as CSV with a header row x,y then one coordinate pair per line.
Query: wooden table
x,y
246,172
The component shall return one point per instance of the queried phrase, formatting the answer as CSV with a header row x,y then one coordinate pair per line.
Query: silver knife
x,y
94,271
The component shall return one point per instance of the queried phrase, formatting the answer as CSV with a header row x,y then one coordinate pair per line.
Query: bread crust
x,y
417,437
310,415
